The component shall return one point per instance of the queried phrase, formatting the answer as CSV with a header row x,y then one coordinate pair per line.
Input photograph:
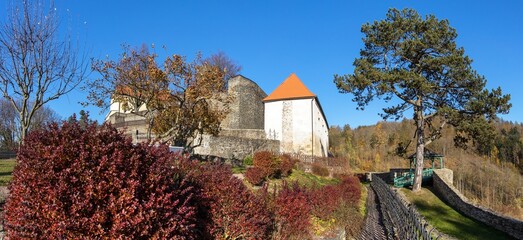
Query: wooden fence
x,y
401,220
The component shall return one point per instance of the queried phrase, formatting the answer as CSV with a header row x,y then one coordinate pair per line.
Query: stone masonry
x,y
246,108
442,182
242,129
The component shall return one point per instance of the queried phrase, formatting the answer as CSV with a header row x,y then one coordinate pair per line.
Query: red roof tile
x,y
291,88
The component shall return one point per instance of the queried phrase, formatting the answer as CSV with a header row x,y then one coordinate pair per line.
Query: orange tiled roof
x,y
291,88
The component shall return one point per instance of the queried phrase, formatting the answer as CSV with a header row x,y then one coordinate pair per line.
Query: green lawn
x,y
6,171
447,220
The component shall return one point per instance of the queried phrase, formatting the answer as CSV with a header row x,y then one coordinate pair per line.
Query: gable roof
x,y
291,88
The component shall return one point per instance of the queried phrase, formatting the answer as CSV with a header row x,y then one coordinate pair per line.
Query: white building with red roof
x,y
289,120
293,115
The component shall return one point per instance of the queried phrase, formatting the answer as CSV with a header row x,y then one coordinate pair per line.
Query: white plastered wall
x,y
291,122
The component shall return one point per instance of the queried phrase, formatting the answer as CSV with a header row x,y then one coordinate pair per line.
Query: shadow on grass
x,y
4,174
448,220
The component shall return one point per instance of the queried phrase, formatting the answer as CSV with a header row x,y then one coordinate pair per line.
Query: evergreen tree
x,y
417,61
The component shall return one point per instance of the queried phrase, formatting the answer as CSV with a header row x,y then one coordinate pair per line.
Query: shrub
x,y
350,189
90,182
320,170
229,209
247,161
287,164
292,213
255,176
331,201
268,163
325,201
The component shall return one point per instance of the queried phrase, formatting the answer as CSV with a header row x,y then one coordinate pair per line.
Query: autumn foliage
x,y
267,162
287,164
81,180
179,99
228,208
292,211
91,182
255,176
329,201
269,165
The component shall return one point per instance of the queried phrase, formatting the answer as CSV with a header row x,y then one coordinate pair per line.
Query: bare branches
x,y
36,65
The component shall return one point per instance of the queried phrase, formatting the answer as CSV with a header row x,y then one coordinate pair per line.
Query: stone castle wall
x,y
129,124
242,130
442,182
236,144
246,108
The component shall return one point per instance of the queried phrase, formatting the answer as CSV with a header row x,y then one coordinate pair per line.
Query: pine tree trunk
x,y
420,149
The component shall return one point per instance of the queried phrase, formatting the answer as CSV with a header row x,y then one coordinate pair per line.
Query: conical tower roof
x,y
291,88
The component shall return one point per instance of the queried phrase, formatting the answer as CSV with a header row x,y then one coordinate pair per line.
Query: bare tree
x,y
37,64
7,125
224,63
10,127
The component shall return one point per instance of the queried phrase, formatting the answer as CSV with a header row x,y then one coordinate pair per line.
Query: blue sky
x,y
272,39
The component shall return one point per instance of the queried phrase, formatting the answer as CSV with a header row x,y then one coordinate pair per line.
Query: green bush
x,y
247,161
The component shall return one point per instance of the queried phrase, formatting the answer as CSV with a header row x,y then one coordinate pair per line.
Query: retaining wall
x,y
236,146
442,182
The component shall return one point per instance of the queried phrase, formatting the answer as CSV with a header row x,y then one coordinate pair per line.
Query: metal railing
x,y
407,178
401,220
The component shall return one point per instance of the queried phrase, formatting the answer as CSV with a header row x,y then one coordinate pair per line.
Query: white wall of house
x,y
116,107
321,131
299,125
272,121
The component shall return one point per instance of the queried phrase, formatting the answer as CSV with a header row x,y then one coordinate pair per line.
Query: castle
x,y
289,120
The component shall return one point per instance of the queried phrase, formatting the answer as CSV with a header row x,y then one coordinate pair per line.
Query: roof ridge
x,y
291,88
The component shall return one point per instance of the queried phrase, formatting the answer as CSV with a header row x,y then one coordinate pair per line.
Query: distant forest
x,y
489,171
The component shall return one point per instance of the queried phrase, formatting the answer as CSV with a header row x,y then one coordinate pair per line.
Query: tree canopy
x,y
179,100
416,62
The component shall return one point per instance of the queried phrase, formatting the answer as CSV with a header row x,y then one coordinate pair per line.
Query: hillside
x,y
493,179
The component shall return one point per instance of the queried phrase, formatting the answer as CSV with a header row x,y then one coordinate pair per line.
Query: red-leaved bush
x,y
90,182
292,213
287,164
84,181
325,201
271,165
328,200
255,176
228,209
350,189
267,162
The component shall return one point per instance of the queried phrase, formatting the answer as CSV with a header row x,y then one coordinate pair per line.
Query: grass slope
x,y
6,171
304,179
449,221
